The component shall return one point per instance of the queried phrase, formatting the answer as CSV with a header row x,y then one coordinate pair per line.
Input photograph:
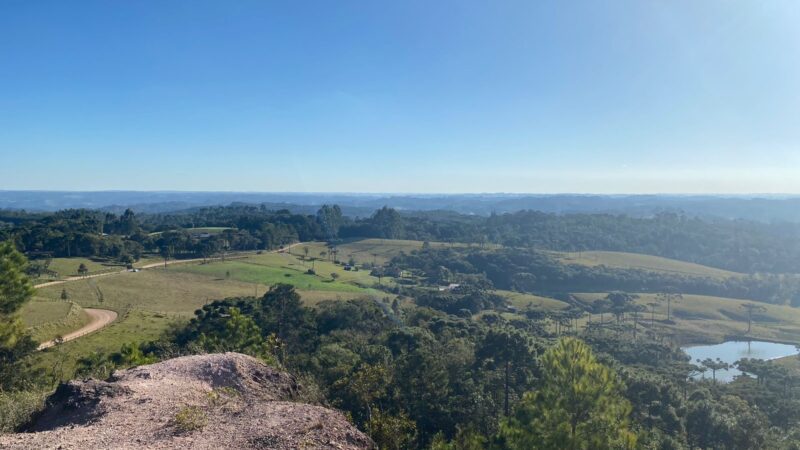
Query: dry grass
x,y
623,260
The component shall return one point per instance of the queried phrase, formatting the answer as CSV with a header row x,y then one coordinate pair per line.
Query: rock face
x,y
201,402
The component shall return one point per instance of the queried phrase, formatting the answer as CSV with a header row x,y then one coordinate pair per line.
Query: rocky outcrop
x,y
201,402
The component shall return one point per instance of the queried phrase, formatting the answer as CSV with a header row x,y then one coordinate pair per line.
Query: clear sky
x,y
401,96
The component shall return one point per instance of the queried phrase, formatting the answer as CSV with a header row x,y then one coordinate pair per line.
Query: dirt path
x,y
98,318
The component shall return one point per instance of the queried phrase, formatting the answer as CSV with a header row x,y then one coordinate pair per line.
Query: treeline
x,y
89,233
735,245
533,271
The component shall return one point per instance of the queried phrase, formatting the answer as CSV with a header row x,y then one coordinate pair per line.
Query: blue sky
x,y
404,96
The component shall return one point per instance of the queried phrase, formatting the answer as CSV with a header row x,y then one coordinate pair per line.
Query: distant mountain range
x,y
764,208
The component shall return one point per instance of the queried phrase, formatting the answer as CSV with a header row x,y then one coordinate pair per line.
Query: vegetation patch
x,y
623,260
190,418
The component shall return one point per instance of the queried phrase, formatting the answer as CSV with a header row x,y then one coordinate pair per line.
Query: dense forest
x,y
737,245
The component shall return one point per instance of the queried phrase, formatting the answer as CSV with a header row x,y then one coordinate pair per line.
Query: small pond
x,y
733,351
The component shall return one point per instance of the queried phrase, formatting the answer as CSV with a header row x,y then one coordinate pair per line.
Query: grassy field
x,y
48,319
134,326
369,251
639,261
253,272
68,267
706,319
148,301
523,301
157,290
209,230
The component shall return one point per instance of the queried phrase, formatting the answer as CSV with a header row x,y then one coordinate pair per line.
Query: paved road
x,y
98,318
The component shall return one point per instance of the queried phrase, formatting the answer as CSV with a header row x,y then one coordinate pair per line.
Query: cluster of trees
x,y
534,271
416,377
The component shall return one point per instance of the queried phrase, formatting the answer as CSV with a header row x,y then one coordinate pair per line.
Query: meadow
x,y
699,319
622,260
150,300
50,318
369,251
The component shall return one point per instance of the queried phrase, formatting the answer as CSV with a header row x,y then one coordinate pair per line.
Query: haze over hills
x,y
766,208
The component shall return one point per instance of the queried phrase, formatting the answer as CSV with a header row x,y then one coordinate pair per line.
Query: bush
x,y
17,408
190,418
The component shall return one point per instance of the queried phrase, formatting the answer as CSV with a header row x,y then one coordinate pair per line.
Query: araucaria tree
x,y
579,405
751,308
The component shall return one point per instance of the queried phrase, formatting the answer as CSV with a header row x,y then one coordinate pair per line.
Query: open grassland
x,y
322,267
134,326
706,319
257,273
180,290
68,267
150,300
369,251
48,319
209,230
156,290
621,260
523,301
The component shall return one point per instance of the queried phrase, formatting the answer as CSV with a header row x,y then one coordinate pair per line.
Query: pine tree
x,y
578,406
15,290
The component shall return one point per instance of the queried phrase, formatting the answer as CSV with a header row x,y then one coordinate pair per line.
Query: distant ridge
x,y
764,208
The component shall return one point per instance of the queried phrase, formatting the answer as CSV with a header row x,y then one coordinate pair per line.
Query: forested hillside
x,y
735,245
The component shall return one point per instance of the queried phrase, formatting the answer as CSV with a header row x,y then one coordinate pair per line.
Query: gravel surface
x,y
214,401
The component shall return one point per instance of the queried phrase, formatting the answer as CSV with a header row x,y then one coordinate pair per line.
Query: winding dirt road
x,y
98,318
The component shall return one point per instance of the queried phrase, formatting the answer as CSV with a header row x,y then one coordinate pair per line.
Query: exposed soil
x,y
214,401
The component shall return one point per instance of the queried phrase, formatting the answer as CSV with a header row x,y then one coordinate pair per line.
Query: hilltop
x,y
206,401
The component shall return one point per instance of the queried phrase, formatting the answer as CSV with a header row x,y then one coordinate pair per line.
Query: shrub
x,y
17,408
190,418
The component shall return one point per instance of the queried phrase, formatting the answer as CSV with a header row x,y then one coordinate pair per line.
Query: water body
x,y
732,351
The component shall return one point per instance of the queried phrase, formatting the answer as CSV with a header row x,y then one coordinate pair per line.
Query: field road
x,y
150,266
98,318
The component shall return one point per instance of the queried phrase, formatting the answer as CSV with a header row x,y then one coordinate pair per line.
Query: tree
x,y
652,306
714,365
334,276
82,270
668,298
330,219
166,252
751,308
15,342
282,313
510,351
620,303
237,333
387,223
579,405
